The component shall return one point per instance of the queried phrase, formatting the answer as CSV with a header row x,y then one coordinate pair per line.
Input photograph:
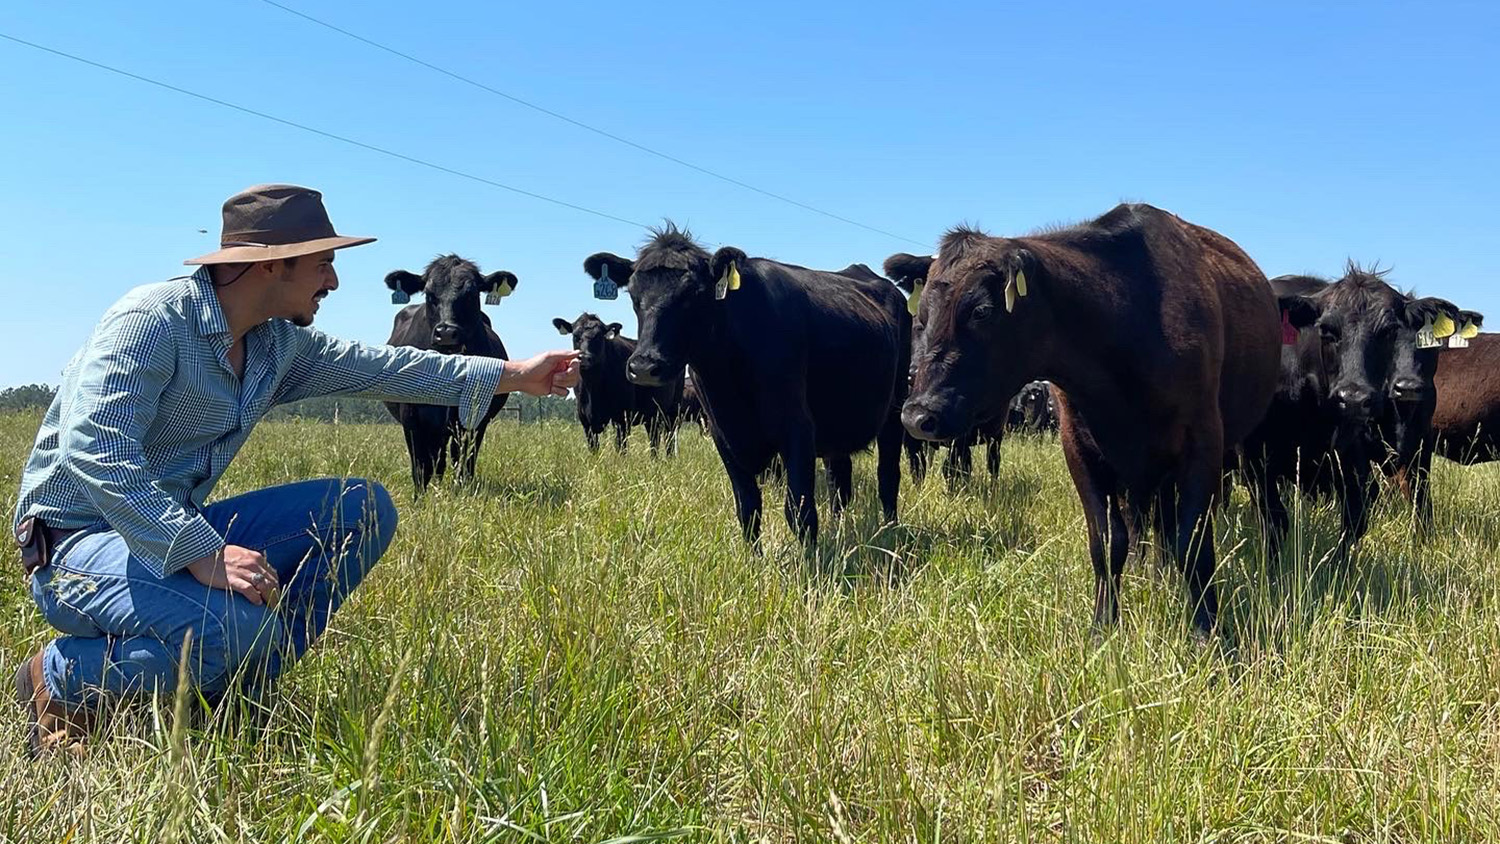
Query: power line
x,y
340,138
581,125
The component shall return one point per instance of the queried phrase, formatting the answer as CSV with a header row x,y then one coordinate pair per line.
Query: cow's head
x,y
1368,332
971,351
450,287
671,285
590,337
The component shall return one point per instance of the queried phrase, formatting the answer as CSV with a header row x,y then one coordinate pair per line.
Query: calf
x,y
606,397
789,361
448,320
1415,392
1337,384
1160,338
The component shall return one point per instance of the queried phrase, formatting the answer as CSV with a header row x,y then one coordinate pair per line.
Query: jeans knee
x,y
376,517
246,640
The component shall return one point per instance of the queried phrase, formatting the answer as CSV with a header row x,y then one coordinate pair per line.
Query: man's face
x,y
302,286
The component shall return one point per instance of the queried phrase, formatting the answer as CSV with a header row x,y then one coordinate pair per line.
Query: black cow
x,y
1408,426
1161,338
1033,410
1337,384
606,397
449,321
789,361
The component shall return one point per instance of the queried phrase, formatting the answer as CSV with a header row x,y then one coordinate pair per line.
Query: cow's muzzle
x,y
926,421
646,372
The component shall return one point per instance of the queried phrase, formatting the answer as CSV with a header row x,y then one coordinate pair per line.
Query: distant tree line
x,y
29,397
343,409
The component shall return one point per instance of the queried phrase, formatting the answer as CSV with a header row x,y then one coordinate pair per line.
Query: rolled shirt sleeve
x,y
328,366
122,372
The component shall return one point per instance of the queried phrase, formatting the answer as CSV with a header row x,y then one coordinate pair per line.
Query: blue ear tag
x,y
604,288
400,297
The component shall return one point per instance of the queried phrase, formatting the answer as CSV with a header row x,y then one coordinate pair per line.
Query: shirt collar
x,y
210,313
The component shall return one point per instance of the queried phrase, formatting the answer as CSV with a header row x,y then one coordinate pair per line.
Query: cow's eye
x,y
1330,333
981,313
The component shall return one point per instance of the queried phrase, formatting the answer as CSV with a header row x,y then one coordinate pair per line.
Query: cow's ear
x,y
614,329
403,281
1474,318
1419,312
1301,311
563,326
718,265
619,268
499,280
906,269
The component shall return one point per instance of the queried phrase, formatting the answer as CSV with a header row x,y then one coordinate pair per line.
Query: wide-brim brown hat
x,y
270,222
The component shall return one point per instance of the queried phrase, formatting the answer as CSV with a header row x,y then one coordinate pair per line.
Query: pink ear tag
x,y
1288,331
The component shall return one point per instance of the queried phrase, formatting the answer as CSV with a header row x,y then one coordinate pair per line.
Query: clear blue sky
x,y
1306,132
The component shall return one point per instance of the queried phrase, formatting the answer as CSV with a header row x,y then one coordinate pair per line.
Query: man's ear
x,y
563,326
497,280
614,329
1301,311
619,268
408,283
907,270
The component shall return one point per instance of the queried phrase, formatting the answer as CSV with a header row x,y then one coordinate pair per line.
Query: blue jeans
x,y
125,629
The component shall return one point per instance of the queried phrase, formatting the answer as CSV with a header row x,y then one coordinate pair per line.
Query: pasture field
x,y
579,648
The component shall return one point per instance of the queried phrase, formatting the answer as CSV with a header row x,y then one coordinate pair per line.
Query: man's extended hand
x,y
240,569
547,374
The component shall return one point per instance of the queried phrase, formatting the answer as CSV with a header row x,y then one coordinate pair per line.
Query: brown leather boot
x,y
52,726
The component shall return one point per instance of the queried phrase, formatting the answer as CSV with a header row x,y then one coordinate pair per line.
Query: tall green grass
x,y
579,648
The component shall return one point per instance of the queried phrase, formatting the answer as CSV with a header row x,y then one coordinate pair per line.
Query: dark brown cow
x,y
1161,339
1467,418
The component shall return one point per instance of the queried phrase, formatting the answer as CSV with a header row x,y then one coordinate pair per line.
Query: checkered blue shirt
x,y
150,413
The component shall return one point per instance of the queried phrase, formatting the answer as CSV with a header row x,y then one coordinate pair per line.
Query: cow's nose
x,y
1356,399
445,332
919,421
642,373
1408,389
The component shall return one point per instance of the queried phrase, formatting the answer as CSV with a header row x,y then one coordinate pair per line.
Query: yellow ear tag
x,y
914,301
1469,331
1021,282
1443,326
734,276
1010,296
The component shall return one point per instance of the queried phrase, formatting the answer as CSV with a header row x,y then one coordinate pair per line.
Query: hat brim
x,y
252,254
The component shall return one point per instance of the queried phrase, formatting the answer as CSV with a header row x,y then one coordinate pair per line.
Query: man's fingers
x,y
243,586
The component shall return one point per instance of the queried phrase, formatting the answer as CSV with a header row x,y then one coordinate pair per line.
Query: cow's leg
x,y
888,466
591,436
1359,492
960,461
1189,516
840,470
653,434
992,456
747,502
1109,542
622,436
1263,476
797,452
426,448
473,441
918,454
1422,485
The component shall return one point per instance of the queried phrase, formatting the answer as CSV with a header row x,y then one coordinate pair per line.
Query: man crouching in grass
x,y
124,557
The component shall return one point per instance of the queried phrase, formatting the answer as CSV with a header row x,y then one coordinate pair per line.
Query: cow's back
x,y
837,337
1467,417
